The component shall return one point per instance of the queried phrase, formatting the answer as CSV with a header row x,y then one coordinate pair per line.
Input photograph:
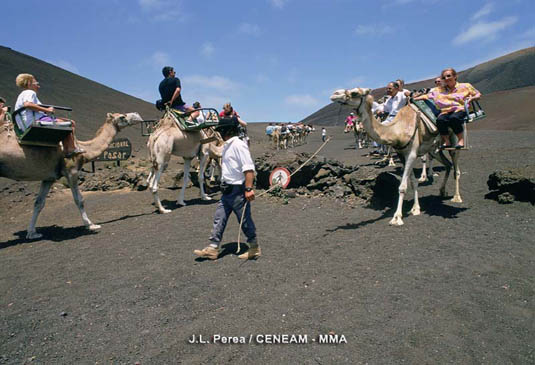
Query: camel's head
x,y
351,97
120,121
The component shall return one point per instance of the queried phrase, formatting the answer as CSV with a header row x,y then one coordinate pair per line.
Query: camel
x,y
408,136
167,140
48,164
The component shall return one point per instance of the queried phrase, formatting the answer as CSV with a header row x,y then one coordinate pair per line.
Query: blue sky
x,y
275,60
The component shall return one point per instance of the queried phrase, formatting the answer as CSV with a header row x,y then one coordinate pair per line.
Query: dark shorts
x,y
182,107
454,121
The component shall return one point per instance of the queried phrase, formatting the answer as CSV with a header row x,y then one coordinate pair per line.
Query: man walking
x,y
237,175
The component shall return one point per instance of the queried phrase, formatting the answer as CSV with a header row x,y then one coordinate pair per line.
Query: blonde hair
x,y
24,80
227,106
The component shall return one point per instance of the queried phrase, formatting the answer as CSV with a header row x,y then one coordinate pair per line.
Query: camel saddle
x,y
426,115
181,119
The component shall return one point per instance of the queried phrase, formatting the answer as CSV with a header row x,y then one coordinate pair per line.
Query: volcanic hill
x,y
90,100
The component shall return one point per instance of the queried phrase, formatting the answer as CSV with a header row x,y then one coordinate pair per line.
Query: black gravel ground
x,y
453,285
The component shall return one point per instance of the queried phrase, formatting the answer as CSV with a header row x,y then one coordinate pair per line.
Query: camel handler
x,y
237,176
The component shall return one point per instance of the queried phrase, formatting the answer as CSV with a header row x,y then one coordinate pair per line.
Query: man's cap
x,y
196,105
227,123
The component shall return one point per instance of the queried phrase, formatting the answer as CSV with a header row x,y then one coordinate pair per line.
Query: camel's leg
x,y
202,167
409,160
154,188
79,201
185,180
423,177
390,157
38,206
150,177
448,165
414,183
457,174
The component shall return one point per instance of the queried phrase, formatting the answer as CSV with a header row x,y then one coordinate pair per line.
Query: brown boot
x,y
252,254
207,253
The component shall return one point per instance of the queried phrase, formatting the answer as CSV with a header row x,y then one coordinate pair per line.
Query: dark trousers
x,y
233,200
453,120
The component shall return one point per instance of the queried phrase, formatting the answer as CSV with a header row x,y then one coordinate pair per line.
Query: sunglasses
x,y
447,77
437,82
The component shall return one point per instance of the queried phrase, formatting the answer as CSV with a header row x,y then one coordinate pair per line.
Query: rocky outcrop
x,y
515,184
322,176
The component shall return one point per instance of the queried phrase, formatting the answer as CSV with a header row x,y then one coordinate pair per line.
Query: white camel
x,y
408,135
47,164
167,140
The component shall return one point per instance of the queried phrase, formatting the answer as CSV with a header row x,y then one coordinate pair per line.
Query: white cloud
x,y
376,30
485,10
159,59
303,100
484,30
66,65
207,49
278,3
151,4
250,29
212,82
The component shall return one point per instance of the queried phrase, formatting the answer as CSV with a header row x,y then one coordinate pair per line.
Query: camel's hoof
x,y
181,203
206,198
165,211
435,174
93,227
456,199
415,211
391,163
34,236
396,221
443,193
422,179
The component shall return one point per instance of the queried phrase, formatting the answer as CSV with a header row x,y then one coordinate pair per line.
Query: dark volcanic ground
x,y
455,284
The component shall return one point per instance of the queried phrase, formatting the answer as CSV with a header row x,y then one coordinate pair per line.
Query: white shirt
x,y
393,105
27,116
235,161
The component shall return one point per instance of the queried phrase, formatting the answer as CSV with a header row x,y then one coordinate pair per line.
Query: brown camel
x,y
408,136
47,164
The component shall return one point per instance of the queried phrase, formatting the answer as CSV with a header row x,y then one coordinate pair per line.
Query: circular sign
x,y
279,176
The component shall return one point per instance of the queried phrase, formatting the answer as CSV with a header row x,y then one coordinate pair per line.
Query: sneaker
x,y
207,253
252,254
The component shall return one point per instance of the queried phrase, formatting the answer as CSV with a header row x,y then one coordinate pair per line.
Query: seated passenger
x,y
229,112
401,84
34,112
171,92
396,101
450,100
200,116
3,110
269,129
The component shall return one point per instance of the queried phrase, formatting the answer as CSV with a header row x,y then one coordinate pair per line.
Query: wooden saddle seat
x,y
41,133
187,124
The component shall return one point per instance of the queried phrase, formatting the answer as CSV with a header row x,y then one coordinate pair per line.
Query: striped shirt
x,y
452,101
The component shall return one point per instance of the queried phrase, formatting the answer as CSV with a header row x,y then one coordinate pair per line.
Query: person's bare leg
x,y
460,139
